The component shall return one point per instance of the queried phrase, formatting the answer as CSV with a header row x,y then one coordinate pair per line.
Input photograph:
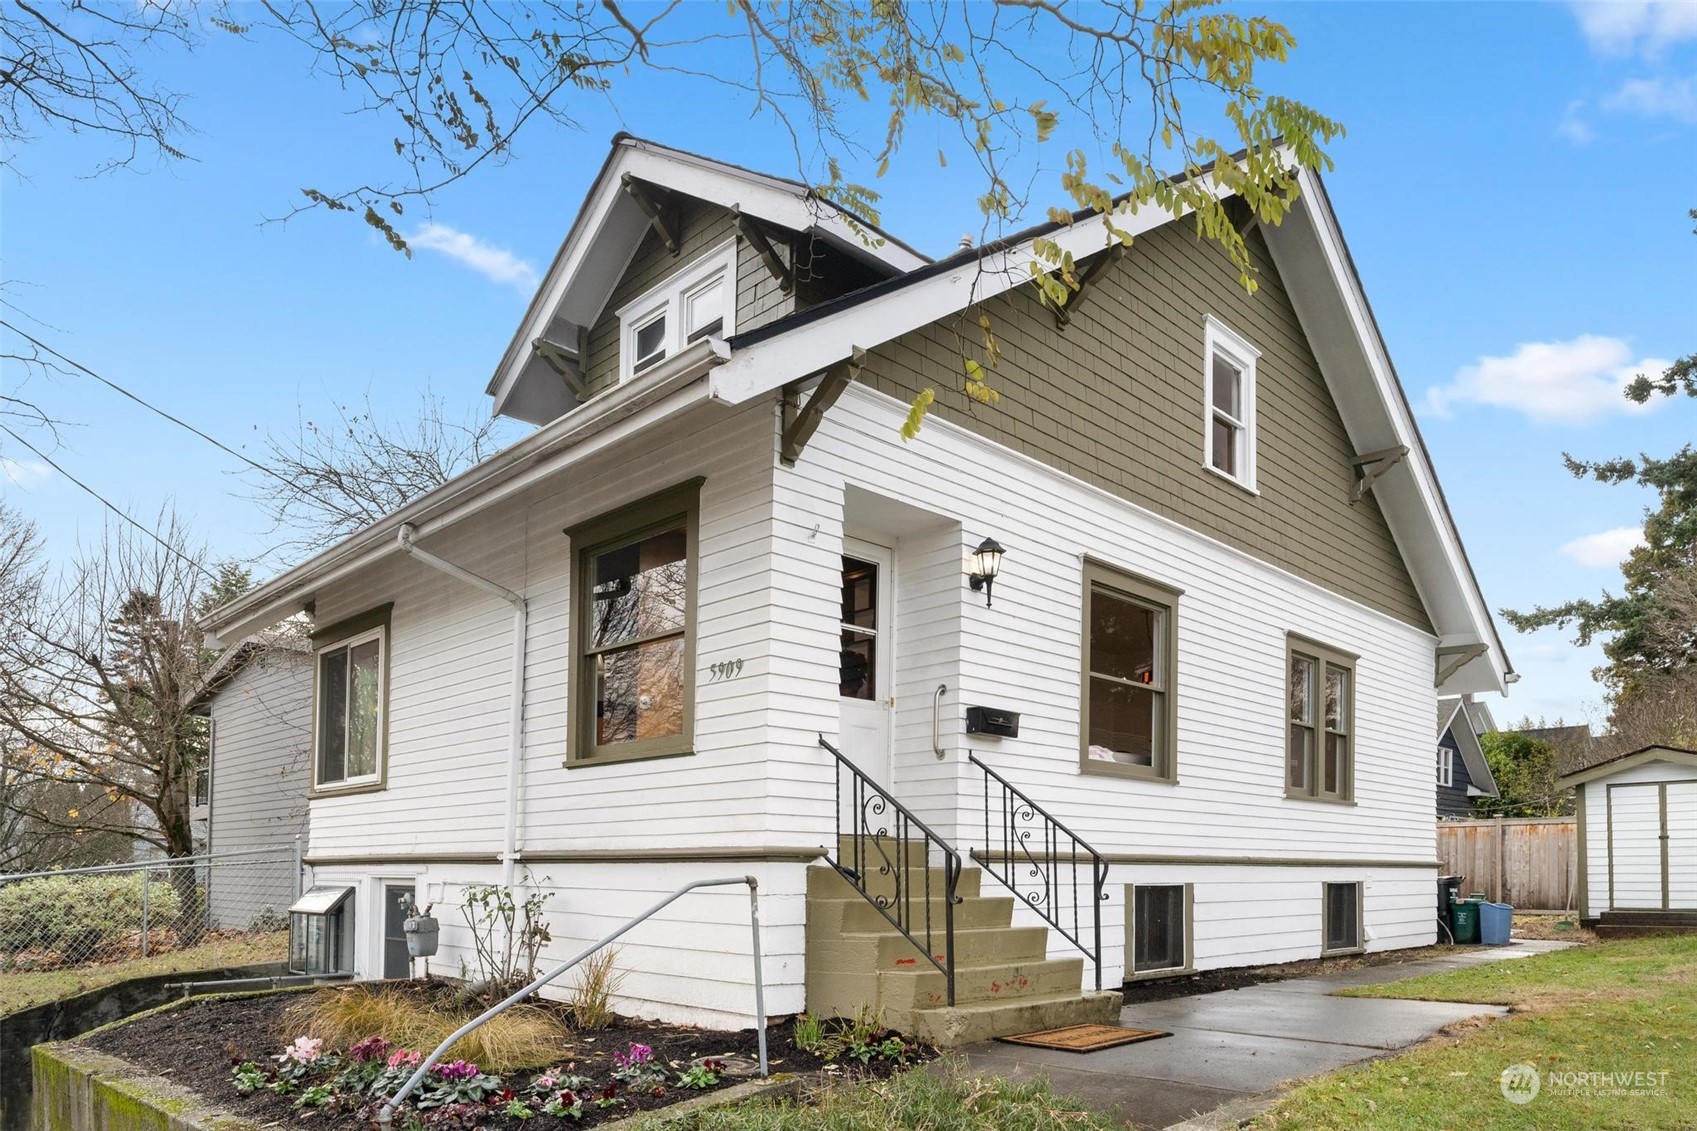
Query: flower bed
x,y
239,1053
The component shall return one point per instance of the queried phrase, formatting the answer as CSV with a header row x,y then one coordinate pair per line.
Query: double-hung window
x,y
351,702
695,302
634,628
1128,698
1228,379
1446,766
1320,741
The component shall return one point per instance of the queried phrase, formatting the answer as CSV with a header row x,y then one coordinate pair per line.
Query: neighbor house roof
x,y
1307,249
1467,721
235,658
1627,761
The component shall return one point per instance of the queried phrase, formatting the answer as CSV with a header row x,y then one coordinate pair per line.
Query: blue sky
x,y
1514,188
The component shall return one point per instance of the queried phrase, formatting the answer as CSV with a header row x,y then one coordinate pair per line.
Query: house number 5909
x,y
723,670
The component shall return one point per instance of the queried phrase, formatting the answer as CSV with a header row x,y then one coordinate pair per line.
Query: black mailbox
x,y
992,720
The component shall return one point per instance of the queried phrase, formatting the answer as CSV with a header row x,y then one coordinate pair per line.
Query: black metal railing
x,y
1042,862
885,852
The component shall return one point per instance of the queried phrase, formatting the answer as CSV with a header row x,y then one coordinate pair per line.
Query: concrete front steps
x,y
1633,924
1004,980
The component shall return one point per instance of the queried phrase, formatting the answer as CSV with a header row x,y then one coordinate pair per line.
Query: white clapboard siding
x,y
1024,653
262,727
691,964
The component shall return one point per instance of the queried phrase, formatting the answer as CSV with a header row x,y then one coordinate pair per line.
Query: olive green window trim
x,y
1360,943
654,514
328,639
1132,974
1100,578
1322,659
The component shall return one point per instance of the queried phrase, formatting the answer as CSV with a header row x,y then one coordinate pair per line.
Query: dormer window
x,y
693,303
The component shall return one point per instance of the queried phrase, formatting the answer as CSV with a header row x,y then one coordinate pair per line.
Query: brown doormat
x,y
1084,1038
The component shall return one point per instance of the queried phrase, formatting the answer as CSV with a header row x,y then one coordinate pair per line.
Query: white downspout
x,y
515,724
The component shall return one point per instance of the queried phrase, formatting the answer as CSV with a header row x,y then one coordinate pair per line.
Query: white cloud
x,y
1550,382
496,264
1573,125
23,472
1657,98
1621,27
1604,549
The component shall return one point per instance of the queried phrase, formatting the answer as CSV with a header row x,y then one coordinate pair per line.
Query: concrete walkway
x,y
1229,1048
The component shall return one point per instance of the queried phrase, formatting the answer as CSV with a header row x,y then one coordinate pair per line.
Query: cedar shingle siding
x,y
1116,400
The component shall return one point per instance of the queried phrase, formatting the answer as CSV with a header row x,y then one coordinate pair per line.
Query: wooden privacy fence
x,y
1530,862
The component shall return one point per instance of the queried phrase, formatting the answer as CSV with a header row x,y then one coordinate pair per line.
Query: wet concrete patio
x,y
1230,1049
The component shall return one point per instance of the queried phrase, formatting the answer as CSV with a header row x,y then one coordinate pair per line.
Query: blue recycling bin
x,y
1495,920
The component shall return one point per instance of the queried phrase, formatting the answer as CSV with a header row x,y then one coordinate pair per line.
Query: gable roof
x,y
235,658
1307,249
609,228
1629,760
1465,722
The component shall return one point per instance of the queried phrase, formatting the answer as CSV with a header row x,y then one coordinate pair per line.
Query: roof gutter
x,y
406,540
670,388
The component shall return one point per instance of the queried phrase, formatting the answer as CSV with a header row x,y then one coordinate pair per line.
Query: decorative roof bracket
x,y
660,208
1063,314
768,254
1452,658
1381,461
568,367
802,421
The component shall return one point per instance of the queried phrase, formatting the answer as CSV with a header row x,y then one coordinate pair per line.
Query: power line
x,y
117,388
109,505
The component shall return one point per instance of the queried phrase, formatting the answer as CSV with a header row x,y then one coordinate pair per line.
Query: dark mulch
x,y
197,1045
1213,981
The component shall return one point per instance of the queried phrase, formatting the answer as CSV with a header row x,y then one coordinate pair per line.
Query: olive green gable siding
x,y
1116,400
704,227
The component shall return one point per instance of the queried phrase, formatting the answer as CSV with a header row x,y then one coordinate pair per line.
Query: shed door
x,y
1635,847
1682,845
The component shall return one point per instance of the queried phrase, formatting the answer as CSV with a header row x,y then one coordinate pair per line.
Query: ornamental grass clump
x,y
522,1037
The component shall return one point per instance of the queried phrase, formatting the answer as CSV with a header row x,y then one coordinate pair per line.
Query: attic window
x,y
1228,381
695,302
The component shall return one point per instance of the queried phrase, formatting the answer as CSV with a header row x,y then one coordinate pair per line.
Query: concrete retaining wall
x,y
78,1089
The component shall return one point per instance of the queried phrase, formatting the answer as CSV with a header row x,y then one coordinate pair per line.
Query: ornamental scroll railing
x,y
1046,865
886,853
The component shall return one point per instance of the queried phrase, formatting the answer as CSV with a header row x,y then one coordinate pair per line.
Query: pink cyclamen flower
x,y
372,1048
401,1058
305,1050
456,1070
637,1056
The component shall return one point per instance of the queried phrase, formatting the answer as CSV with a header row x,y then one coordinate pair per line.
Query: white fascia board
x,y
1377,416
585,271
757,369
1473,755
663,392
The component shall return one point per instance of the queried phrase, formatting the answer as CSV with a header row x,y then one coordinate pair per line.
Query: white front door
x,y
1635,846
865,677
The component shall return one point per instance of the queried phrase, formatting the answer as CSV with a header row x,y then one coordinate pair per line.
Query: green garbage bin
x,y
1464,914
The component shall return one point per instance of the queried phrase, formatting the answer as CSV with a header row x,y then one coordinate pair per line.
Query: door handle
x,y
937,720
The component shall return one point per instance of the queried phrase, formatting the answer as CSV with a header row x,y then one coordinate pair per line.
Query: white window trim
x,y
668,297
1446,766
381,635
1218,338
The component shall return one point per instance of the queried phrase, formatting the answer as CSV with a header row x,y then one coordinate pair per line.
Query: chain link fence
x,y
121,912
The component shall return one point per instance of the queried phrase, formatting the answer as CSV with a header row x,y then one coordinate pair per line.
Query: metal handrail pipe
x,y
386,1115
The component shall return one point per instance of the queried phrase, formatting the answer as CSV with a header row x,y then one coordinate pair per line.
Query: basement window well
x,y
321,931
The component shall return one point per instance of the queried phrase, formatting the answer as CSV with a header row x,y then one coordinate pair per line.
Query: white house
x,y
1637,823
607,661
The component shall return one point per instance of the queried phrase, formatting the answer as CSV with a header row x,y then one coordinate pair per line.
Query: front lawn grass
x,y
1615,1007
21,990
938,1099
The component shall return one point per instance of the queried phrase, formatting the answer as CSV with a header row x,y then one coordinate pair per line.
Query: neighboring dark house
x,y
1462,771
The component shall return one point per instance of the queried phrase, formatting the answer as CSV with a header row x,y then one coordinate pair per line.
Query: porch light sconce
x,y
986,564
